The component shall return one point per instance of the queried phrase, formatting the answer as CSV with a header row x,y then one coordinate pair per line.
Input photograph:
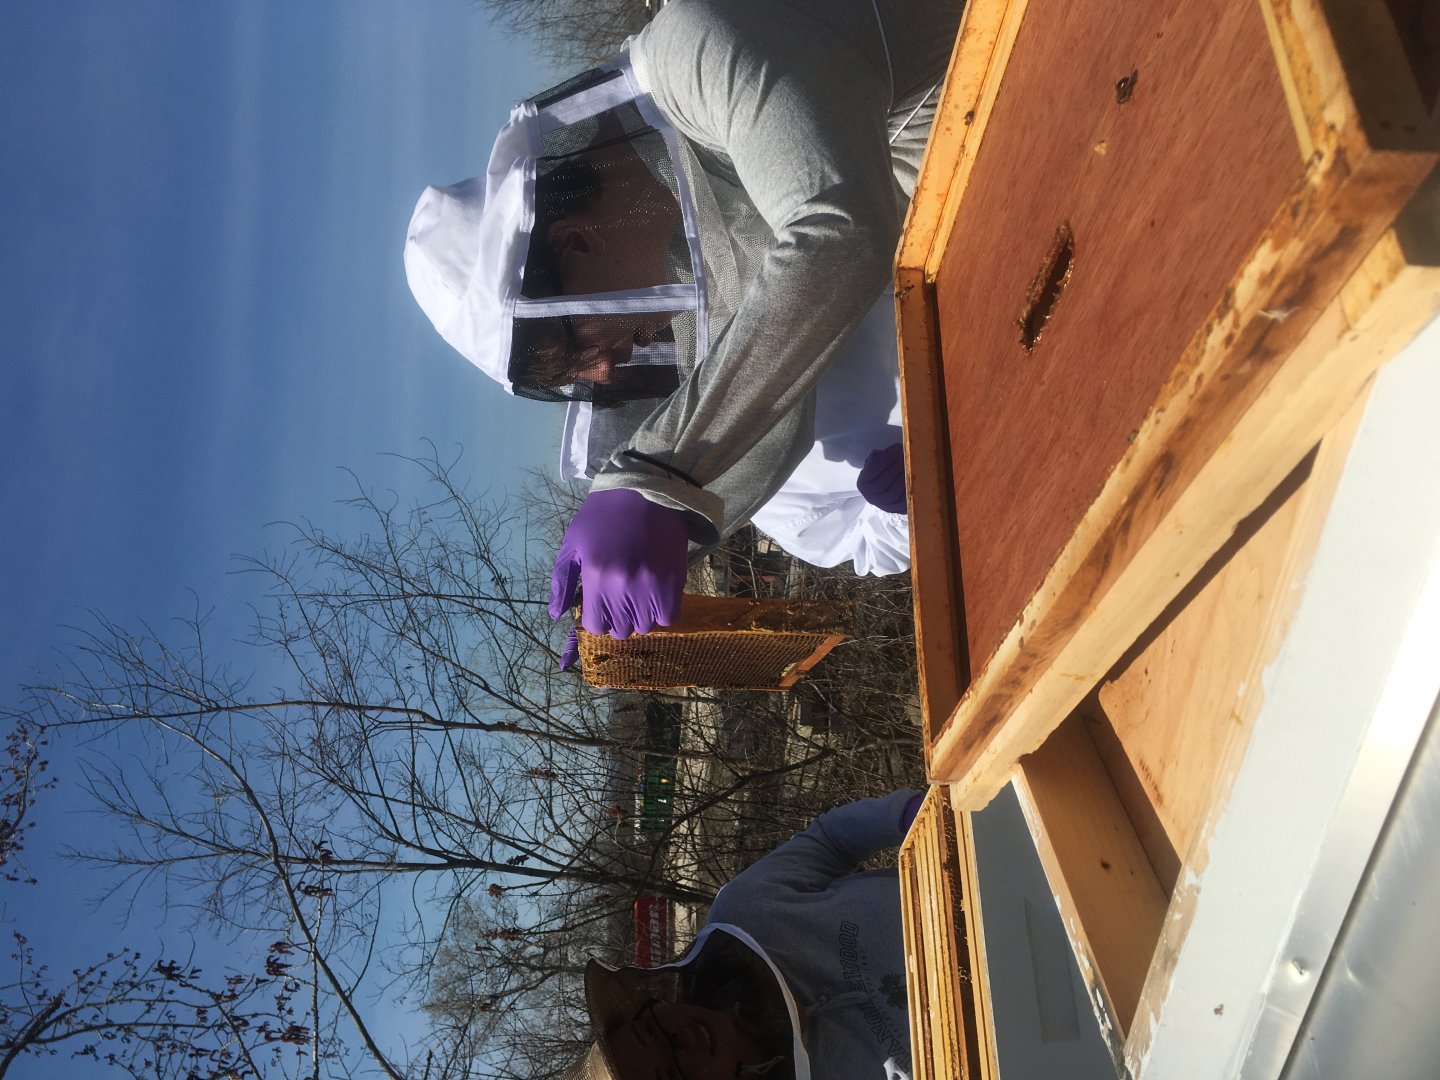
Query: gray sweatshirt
x,y
789,107
835,935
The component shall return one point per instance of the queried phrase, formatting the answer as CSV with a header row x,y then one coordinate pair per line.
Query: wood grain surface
x,y
1267,372
1181,702
986,35
1164,195
934,561
1110,900
1185,703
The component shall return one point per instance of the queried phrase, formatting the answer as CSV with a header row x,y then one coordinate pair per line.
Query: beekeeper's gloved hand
x,y
882,479
627,555
570,654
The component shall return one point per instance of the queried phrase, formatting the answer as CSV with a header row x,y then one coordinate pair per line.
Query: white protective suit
x,y
817,516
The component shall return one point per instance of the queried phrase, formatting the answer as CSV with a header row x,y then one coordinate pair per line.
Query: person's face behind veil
x,y
618,241
666,1041
730,1020
620,238
607,224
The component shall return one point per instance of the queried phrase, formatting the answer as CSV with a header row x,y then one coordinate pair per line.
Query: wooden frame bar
x,y
1111,902
952,1032
1183,740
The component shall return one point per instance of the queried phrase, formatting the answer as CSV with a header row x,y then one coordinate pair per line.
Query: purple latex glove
x,y
628,555
570,654
882,479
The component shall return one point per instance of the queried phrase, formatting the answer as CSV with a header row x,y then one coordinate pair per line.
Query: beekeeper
x,y
845,502
692,234
798,974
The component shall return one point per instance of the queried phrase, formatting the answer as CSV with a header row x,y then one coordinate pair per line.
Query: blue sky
x,y
203,312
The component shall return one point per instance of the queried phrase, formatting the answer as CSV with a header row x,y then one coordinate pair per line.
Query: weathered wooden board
x,y
1180,701
1184,705
1161,189
1180,707
1184,695
1394,293
1133,794
1166,394
1178,577
1111,902
987,32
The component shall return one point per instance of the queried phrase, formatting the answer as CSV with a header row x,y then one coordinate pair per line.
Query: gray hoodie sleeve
x,y
801,112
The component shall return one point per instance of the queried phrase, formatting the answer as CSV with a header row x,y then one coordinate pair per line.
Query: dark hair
x,y
565,189
544,362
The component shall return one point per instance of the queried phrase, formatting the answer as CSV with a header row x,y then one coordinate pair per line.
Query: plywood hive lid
x,y
1131,215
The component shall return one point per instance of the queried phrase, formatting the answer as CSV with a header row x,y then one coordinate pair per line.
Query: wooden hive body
x,y
1158,256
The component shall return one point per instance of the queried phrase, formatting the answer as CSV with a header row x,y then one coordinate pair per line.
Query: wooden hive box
x,y
1132,218
1157,255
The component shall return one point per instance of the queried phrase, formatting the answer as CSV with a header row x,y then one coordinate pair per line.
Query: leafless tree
x,y
146,1017
22,778
404,781
158,1018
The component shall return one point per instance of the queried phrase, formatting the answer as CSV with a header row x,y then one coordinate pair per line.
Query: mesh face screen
x,y
605,359
619,124
605,187
607,220
573,85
